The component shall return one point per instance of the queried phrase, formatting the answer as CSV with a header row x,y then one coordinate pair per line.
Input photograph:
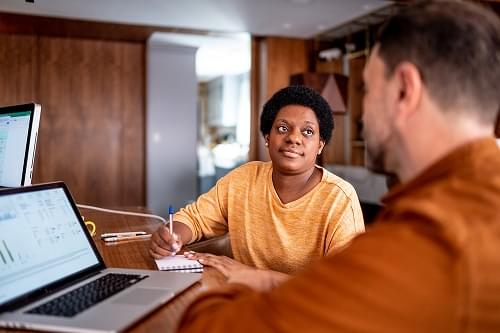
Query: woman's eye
x,y
282,129
308,132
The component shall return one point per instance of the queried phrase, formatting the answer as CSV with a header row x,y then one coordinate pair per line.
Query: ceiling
x,y
216,55
287,18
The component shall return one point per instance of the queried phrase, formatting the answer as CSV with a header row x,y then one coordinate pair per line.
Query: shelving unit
x,y
356,143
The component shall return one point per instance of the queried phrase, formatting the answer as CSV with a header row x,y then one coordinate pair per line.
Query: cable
x,y
114,211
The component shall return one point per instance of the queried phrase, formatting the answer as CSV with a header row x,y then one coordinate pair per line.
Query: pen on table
x,y
126,238
171,219
122,234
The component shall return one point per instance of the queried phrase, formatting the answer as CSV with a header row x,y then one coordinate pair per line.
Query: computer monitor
x,y
18,135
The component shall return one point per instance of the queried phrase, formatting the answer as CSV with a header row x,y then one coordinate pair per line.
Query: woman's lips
x,y
290,153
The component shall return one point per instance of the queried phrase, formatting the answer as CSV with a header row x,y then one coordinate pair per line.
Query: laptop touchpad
x,y
143,296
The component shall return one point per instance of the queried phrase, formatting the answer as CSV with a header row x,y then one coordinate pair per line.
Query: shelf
x,y
358,143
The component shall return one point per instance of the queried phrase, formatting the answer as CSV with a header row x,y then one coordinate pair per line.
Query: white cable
x,y
114,211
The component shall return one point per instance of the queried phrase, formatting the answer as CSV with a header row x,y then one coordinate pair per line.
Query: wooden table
x,y
134,254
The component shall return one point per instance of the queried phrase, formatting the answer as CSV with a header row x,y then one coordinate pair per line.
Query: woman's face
x,y
294,141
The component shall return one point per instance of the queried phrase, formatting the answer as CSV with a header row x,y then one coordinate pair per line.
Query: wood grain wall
x,y
286,56
18,68
92,126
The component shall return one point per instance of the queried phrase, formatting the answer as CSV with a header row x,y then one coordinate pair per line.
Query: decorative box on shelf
x,y
332,86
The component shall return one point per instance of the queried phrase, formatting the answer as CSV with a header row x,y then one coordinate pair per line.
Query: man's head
x,y
441,55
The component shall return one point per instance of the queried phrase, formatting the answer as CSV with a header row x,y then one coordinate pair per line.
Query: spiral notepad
x,y
179,263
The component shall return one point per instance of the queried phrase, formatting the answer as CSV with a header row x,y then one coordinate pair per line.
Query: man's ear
x,y
410,85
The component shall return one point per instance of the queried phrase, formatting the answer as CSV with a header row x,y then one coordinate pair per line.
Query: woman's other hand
x,y
236,272
225,265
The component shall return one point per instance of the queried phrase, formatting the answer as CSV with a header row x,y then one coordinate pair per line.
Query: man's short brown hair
x,y
456,47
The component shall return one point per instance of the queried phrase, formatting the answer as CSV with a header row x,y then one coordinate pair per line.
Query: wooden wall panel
x,y
333,152
132,92
285,56
18,68
92,127
255,98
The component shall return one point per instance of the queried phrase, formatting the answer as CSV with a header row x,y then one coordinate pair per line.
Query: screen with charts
x,y
14,136
41,241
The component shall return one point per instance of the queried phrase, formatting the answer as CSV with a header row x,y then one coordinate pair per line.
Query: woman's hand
x,y
164,244
236,272
225,265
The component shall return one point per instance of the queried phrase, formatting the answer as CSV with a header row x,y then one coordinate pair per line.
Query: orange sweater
x,y
264,232
431,264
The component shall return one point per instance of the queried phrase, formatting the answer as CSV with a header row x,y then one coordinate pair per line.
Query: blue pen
x,y
171,218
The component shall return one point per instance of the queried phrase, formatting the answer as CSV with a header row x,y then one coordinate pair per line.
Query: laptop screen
x,y
18,129
41,241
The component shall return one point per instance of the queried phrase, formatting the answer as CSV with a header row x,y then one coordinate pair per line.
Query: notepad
x,y
179,263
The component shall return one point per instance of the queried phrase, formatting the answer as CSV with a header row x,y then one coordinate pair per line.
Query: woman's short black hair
x,y
298,95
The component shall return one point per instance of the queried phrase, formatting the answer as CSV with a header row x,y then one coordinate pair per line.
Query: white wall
x,y
171,126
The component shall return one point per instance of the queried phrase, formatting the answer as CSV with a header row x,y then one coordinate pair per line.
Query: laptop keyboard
x,y
82,298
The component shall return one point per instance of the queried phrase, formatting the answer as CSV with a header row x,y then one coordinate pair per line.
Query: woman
x,y
280,215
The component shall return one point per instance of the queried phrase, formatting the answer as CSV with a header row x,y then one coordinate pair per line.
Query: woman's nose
x,y
294,137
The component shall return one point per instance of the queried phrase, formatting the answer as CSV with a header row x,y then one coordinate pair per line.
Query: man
x,y
431,263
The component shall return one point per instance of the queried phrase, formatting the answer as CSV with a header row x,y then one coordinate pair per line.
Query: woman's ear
x,y
321,146
266,138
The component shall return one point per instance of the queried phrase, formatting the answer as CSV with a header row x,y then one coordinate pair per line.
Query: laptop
x,y
18,134
52,278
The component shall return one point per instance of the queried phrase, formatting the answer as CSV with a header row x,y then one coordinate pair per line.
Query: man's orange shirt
x,y
430,264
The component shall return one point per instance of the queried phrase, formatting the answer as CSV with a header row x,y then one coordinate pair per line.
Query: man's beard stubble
x,y
375,159
376,155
